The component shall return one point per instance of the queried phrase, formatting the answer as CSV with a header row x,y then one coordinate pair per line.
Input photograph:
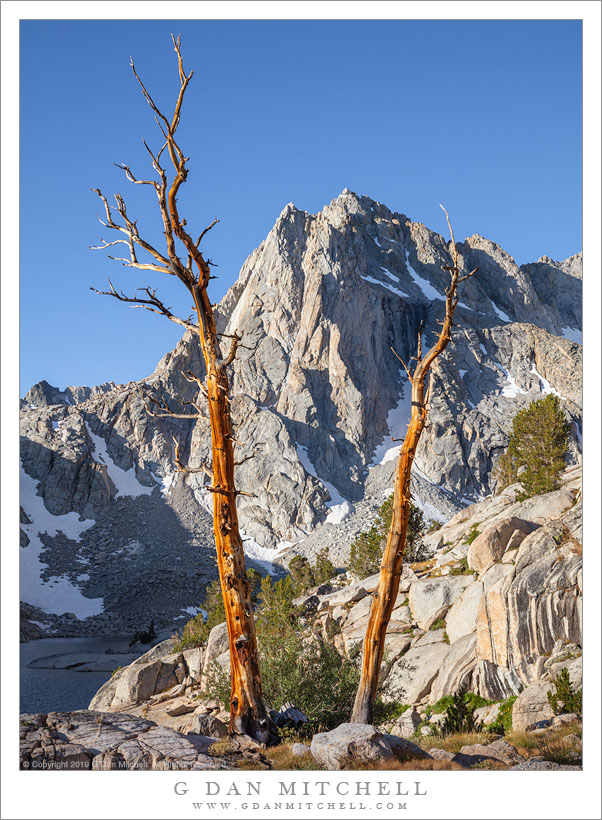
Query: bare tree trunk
x,y
392,562
248,713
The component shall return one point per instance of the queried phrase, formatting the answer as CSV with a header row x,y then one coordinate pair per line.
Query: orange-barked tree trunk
x,y
248,713
392,561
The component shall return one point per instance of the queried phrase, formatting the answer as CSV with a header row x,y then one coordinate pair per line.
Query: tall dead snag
x,y
390,571
248,714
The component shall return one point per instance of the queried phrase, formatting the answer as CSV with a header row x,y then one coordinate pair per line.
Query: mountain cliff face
x,y
317,394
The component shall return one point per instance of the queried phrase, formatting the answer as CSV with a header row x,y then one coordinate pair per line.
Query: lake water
x,y
51,690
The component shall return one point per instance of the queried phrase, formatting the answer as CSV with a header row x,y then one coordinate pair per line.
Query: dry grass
x,y
558,745
407,766
281,758
453,743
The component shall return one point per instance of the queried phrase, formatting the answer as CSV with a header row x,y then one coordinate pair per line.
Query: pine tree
x,y
536,451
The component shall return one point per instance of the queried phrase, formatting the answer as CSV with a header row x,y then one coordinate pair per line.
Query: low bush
x,y
197,629
474,533
305,576
297,664
503,722
565,699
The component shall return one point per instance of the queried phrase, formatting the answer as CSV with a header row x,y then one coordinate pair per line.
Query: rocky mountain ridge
x,y
317,393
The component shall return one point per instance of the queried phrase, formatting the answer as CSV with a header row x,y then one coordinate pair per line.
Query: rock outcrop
x,y
354,744
105,741
506,631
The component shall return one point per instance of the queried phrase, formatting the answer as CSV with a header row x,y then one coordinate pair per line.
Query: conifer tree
x,y
537,448
367,549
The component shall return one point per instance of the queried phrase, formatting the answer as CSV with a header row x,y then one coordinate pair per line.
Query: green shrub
x,y
459,711
305,576
387,712
367,549
296,663
197,629
434,526
438,624
503,722
462,568
301,573
324,569
537,448
565,700
474,532
459,717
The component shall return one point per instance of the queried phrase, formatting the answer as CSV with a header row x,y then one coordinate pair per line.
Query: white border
x,y
450,794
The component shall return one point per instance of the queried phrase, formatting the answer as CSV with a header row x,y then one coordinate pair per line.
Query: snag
x,y
390,571
248,713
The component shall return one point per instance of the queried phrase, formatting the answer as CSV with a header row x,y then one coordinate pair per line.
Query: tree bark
x,y
248,713
392,561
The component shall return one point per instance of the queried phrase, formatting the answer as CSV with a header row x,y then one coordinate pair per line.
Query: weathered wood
x,y
248,713
392,562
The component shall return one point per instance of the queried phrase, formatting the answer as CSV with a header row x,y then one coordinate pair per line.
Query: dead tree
x,y
248,713
390,570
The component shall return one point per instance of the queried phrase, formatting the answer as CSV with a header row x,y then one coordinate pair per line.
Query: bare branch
x,y
207,229
131,176
467,276
131,231
246,458
153,303
191,377
233,348
165,410
403,363
180,468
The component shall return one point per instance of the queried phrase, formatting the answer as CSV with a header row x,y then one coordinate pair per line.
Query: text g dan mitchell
x,y
306,788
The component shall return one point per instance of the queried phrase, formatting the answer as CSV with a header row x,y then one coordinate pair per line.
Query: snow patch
x,y
125,480
55,425
425,286
431,512
544,385
483,348
262,555
464,305
503,316
339,507
167,482
572,334
462,373
192,610
511,389
58,595
388,273
204,498
384,285
398,419
376,242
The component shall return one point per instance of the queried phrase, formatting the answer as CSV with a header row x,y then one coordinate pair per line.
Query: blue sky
x,y
484,116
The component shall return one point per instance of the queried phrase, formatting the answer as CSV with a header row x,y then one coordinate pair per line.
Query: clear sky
x,y
484,116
